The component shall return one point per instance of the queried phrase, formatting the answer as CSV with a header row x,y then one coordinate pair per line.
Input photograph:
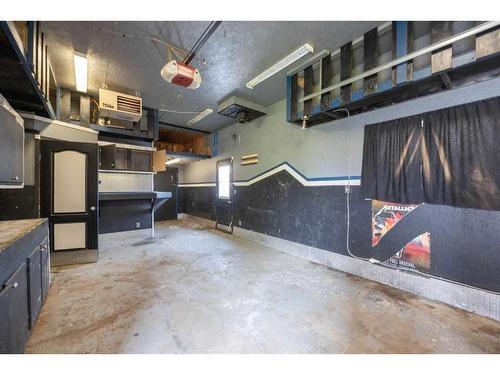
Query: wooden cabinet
x,y
11,149
24,281
14,312
159,160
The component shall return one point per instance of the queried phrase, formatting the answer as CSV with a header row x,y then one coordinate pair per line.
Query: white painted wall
x,y
320,151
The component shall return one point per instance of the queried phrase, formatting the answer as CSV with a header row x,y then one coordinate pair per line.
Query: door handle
x,y
92,208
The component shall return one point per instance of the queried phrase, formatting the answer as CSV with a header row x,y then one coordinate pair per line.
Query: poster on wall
x,y
416,255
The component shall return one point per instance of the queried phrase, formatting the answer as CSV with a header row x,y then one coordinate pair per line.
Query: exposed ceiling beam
x,y
165,125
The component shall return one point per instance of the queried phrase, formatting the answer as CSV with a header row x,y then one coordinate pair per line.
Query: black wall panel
x,y
198,201
464,242
18,203
119,216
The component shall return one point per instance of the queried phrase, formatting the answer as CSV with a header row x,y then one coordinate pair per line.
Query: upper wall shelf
x,y
392,63
146,129
26,79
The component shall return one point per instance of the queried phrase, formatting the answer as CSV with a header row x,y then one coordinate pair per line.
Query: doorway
x,y
69,200
167,181
224,195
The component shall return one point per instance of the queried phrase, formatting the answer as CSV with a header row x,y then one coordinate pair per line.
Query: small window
x,y
224,181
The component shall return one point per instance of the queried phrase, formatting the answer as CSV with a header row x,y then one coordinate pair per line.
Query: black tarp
x,y
391,161
449,156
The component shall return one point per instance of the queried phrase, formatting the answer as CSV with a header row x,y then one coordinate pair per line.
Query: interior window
x,y
224,181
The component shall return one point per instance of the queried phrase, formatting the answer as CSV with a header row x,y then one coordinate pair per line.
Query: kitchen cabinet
x,y
124,159
159,160
107,157
24,279
140,160
45,267
14,312
35,285
11,148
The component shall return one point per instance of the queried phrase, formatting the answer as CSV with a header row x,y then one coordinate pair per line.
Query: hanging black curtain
x,y
391,161
461,157
450,156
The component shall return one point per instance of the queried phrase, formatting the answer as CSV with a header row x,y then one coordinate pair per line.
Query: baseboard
x,y
69,257
197,219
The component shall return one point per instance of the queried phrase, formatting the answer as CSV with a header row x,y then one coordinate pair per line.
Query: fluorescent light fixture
x,y
200,116
81,65
280,65
172,161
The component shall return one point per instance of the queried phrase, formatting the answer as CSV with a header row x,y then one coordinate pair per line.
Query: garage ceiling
x,y
236,53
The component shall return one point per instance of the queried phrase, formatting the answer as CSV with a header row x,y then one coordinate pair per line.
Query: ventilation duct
x,y
241,110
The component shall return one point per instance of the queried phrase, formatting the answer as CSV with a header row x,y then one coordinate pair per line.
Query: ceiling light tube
x,y
200,116
81,66
280,65
172,161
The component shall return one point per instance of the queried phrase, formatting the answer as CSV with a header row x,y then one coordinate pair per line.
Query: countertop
x,y
12,230
105,196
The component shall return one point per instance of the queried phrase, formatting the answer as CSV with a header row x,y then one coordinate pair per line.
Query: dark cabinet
x,y
24,282
124,159
107,157
35,285
45,266
121,159
11,149
140,160
14,312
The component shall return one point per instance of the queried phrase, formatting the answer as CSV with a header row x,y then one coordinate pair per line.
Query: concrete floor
x,y
195,290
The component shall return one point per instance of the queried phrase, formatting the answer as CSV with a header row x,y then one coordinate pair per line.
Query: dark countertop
x,y
134,195
13,230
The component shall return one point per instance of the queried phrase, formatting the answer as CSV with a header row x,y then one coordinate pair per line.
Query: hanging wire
x,y
179,52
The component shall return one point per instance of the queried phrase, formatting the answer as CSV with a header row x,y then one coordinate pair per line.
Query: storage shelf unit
x,y
28,82
395,62
146,129
125,159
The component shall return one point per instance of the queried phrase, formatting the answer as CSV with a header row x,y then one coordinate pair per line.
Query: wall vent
x,y
241,110
119,106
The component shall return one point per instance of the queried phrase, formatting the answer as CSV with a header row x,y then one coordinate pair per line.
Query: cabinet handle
x,y
15,178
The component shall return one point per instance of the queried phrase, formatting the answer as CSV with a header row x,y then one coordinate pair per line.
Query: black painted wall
x,y
18,204
197,201
465,243
167,181
119,216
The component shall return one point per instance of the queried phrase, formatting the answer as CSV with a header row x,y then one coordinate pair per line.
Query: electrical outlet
x,y
137,225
